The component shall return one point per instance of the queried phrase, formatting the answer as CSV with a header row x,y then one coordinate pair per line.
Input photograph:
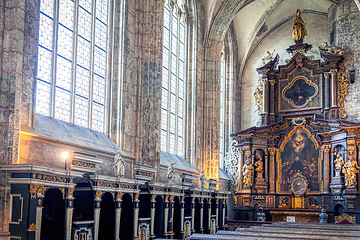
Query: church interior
x,y
179,119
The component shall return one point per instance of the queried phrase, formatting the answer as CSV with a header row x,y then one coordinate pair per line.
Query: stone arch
x,y
107,217
84,200
127,217
53,215
159,217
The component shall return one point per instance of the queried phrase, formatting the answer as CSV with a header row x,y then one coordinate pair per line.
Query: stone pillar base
x,y
337,185
260,185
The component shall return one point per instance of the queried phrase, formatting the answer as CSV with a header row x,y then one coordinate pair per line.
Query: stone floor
x,y
287,231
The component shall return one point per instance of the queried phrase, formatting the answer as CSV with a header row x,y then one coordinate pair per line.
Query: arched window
x,y
222,108
174,77
72,57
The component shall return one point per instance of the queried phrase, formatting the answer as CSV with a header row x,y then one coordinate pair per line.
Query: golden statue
x,y
350,170
247,171
259,167
299,30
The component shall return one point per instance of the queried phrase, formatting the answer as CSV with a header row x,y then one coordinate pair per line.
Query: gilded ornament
x,y
98,194
268,57
70,191
258,95
343,89
32,226
332,50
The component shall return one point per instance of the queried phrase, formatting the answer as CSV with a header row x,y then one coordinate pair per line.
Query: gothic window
x,y
174,77
73,42
222,108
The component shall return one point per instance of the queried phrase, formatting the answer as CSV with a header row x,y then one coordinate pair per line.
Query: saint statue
x,y
350,170
339,161
171,172
119,165
247,171
202,179
299,30
259,166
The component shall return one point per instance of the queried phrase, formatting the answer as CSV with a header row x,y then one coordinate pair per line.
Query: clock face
x,y
299,186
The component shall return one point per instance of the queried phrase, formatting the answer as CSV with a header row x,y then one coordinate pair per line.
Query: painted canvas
x,y
299,156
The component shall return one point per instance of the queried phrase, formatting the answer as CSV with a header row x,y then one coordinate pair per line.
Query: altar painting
x,y
299,155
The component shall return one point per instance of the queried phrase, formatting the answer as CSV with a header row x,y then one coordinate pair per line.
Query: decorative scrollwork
x,y
232,165
343,89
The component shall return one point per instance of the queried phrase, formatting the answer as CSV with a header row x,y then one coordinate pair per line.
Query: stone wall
x,y
344,24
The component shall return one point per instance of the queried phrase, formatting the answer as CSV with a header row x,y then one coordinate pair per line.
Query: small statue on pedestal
x,y
259,167
171,172
247,171
339,162
299,30
119,165
203,180
350,170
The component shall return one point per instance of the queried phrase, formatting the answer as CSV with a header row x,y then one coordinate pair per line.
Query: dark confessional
x,y
302,159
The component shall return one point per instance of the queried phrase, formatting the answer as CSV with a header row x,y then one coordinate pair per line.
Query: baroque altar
x,y
305,155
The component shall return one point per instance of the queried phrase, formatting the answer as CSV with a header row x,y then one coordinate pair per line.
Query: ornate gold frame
x,y
279,160
292,84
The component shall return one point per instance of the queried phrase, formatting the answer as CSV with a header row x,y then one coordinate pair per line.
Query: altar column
x,y
152,224
224,212
201,214
136,215
272,152
192,214
333,111
241,152
326,168
327,90
265,96
118,215
97,213
272,101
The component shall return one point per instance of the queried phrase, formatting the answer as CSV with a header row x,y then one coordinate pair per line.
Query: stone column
x,y
171,221
39,208
326,168
136,214
201,214
327,90
153,196
224,214
166,215
192,214
182,212
217,214
97,213
272,152
118,215
209,214
69,213
333,87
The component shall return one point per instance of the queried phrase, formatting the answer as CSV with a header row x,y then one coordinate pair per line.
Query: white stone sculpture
x,y
119,165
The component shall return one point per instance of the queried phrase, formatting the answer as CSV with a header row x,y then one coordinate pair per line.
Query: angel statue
x,y
203,180
171,172
119,165
350,170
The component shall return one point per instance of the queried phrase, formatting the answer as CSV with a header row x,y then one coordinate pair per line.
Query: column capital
x,y
327,74
153,196
326,148
171,198
333,71
70,191
272,151
272,82
136,196
119,195
98,194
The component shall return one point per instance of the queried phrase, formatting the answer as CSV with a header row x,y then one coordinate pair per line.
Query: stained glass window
x,y
174,78
71,83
